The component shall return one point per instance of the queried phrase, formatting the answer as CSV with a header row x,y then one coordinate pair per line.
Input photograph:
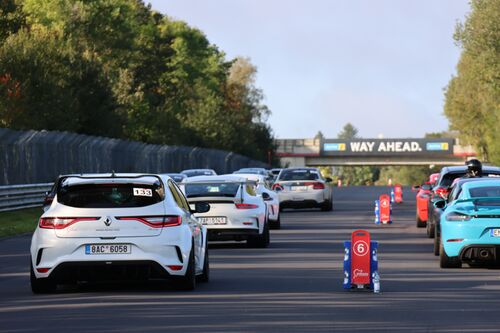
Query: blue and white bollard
x,y
392,195
377,212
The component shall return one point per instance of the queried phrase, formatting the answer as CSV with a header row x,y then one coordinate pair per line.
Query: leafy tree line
x,y
472,97
119,69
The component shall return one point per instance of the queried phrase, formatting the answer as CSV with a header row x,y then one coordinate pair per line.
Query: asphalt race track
x,y
295,285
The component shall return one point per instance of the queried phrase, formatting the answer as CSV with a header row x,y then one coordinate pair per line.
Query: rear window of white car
x,y
194,190
109,195
298,175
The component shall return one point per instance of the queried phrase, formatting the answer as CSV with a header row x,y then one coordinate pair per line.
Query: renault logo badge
x,y
107,221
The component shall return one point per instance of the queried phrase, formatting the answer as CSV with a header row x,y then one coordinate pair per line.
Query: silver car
x,y
303,188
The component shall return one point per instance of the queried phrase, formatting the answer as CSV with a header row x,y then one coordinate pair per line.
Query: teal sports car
x,y
470,226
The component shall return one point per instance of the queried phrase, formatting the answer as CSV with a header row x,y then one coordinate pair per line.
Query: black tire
x,y
430,229
41,286
448,262
436,242
420,223
261,241
327,206
276,224
188,281
205,275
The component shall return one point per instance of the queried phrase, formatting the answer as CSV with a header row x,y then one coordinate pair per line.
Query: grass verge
x,y
19,221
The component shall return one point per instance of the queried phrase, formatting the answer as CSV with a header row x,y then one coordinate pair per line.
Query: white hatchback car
x,y
303,188
118,226
269,196
236,211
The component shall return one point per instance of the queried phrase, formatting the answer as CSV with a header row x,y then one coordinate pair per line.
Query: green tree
x,y
50,86
11,18
348,132
355,175
117,68
472,102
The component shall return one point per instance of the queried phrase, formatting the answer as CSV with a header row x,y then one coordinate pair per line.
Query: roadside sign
x,y
398,193
385,209
360,260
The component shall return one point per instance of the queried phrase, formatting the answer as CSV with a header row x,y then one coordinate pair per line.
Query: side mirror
x,y
426,187
440,204
266,196
328,180
201,207
415,188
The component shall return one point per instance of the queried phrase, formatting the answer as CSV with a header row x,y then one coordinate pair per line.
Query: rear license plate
x,y
108,249
495,232
299,188
212,220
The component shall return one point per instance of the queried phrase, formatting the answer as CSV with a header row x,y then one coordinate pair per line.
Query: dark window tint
x,y
177,179
109,195
448,178
298,175
194,173
211,190
486,191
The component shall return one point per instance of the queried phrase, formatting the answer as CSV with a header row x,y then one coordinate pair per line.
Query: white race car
x,y
303,188
236,211
118,226
269,196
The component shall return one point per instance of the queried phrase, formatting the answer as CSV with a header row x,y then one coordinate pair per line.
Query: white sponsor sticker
x,y
143,192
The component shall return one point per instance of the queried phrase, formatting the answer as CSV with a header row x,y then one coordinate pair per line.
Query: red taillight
x,y
42,270
155,221
316,185
455,240
175,267
277,186
62,222
442,192
245,206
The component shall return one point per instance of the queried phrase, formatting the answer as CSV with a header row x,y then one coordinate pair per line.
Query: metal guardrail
x,y
14,197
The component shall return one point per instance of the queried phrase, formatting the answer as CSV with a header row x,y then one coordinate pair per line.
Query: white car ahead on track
x,y
269,196
236,211
118,226
303,188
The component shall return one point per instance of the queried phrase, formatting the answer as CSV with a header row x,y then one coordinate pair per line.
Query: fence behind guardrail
x,y
29,157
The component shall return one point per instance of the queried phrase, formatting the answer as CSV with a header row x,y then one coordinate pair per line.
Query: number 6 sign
x,y
360,260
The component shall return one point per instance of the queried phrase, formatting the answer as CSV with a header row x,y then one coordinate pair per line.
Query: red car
x,y
423,195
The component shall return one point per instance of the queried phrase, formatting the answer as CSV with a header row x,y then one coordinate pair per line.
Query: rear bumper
x,y
487,253
231,234
108,271
301,204
288,197
49,251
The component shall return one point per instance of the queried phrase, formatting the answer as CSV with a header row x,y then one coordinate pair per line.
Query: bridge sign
x,y
386,147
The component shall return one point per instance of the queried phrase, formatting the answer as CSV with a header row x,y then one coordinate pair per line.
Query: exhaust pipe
x,y
484,253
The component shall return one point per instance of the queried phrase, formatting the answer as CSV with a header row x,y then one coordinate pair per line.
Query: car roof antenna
x,y
113,175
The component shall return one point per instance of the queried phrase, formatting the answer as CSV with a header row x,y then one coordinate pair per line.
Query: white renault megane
x,y
119,226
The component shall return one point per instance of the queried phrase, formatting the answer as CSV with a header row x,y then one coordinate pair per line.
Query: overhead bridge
x,y
337,152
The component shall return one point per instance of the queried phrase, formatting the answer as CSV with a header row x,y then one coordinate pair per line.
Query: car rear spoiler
x,y
477,200
113,175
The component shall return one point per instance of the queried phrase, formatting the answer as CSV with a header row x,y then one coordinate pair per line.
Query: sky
x,y
380,65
